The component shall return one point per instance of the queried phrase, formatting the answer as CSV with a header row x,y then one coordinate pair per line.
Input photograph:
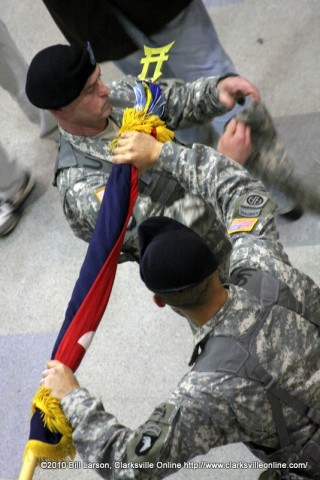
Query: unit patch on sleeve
x,y
254,200
251,212
149,442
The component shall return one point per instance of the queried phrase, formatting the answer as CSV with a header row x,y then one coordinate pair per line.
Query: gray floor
x,y
140,352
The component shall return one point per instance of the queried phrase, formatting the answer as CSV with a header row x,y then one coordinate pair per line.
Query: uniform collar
x,y
203,332
97,146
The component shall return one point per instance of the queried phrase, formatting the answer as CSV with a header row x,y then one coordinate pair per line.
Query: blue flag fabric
x,y
89,299
118,201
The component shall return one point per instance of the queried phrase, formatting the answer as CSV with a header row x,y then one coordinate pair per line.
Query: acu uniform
x,y
84,164
212,407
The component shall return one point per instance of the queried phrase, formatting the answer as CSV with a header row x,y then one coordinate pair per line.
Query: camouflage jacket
x,y
186,104
209,409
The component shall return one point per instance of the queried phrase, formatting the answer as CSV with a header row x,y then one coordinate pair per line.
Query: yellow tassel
x,y
52,414
55,420
139,121
62,451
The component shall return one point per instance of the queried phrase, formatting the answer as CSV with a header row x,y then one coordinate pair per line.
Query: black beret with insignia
x,y
57,75
172,256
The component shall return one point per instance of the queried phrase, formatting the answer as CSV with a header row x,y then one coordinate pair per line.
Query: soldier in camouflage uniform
x,y
84,153
212,407
77,186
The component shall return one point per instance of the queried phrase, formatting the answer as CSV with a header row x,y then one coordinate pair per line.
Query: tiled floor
x,y
141,352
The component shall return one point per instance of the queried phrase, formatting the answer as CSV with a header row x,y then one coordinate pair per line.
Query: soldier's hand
x,y
235,143
59,378
231,89
139,149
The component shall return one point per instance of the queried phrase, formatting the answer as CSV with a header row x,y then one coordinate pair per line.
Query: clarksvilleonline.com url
x,y
173,465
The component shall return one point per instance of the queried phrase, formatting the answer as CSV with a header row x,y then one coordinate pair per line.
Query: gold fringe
x,y
56,421
139,121
62,451
51,412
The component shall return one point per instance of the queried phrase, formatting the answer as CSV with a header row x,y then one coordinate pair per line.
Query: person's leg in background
x,y
197,52
15,185
13,73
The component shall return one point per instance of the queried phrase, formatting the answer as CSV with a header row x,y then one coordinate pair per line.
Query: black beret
x,y
57,75
172,256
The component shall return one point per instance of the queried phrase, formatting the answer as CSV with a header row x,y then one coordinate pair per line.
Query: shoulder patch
x,y
249,212
242,225
150,440
255,200
149,437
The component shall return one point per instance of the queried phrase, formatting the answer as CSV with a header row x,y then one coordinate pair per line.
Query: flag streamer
x,y
145,115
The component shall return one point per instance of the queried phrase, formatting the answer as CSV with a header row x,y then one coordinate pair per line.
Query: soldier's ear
x,y
158,301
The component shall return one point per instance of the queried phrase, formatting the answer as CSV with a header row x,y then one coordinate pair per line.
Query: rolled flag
x,y
50,434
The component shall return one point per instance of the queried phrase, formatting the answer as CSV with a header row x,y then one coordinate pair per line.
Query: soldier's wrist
x,y
226,75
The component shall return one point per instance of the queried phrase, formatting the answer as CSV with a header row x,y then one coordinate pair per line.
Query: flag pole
x,y
28,466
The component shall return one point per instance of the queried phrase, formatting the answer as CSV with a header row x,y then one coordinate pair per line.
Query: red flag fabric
x,y
93,287
86,307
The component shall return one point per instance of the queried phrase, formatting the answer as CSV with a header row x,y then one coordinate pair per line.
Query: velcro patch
x,y
242,225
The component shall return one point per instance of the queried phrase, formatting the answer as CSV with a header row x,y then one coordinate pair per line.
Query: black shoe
x,y
293,214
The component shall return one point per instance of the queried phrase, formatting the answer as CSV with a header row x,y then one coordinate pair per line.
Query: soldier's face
x,y
92,106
